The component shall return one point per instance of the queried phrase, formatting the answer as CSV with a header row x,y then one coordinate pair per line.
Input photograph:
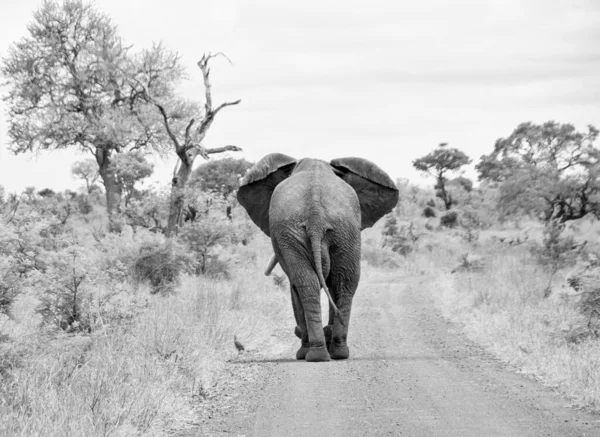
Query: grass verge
x,y
503,305
146,376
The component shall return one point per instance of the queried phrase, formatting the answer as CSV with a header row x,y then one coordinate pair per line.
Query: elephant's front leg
x,y
309,296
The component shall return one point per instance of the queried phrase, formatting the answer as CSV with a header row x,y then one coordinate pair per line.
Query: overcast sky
x,y
385,80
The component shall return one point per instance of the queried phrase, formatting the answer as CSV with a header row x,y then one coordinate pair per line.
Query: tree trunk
x,y
179,183
442,193
113,189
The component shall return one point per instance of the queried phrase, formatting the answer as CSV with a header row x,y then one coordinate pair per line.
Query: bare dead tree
x,y
190,146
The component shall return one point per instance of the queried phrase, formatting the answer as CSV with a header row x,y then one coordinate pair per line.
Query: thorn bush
x,y
449,220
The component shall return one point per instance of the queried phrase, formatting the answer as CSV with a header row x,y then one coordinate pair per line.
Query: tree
x,y
88,171
148,210
46,193
465,183
549,169
131,168
186,141
70,86
438,163
221,176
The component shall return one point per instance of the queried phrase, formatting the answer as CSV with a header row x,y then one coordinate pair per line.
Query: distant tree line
x,y
549,171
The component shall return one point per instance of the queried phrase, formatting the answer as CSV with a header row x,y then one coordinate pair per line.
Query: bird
x,y
239,346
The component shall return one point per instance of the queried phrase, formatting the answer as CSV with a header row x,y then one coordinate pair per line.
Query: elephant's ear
x,y
258,184
376,191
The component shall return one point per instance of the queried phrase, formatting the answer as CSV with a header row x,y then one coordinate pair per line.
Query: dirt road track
x,y
410,374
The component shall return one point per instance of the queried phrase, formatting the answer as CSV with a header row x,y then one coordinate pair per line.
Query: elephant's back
x,y
300,194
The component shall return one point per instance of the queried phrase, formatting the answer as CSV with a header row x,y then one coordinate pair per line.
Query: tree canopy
x,y
221,175
131,168
548,169
87,170
69,84
438,163
72,83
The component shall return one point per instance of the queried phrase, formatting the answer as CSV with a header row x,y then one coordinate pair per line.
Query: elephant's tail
x,y
315,242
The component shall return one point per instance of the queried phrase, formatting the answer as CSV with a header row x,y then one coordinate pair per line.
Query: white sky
x,y
385,80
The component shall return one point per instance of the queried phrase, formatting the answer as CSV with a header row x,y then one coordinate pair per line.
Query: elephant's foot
x,y
302,352
338,349
317,353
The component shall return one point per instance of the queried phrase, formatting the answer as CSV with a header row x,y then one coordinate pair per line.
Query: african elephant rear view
x,y
314,211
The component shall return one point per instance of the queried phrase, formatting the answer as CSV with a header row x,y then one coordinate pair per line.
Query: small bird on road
x,y
239,346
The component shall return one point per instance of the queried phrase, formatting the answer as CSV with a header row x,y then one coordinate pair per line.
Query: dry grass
x,y
502,306
144,376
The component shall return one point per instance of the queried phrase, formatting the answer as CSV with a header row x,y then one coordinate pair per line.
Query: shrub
x,y
64,287
429,212
400,240
471,224
449,220
161,265
585,279
557,250
26,239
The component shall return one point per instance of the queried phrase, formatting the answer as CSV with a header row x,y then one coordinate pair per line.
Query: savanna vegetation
x,y
119,301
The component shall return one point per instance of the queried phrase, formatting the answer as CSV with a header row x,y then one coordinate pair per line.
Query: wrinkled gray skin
x,y
314,220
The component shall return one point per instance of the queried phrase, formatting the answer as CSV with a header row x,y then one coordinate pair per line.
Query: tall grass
x,y
141,377
505,306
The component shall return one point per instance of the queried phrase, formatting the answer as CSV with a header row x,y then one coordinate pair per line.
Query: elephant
x,y
314,211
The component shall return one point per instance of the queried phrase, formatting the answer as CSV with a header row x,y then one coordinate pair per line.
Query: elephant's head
x,y
376,191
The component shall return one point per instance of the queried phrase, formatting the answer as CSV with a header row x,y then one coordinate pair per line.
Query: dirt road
x,y
410,374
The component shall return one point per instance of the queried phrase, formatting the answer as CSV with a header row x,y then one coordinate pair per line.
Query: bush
x,y
449,220
161,265
400,240
202,238
585,280
66,287
470,222
557,250
429,212
26,240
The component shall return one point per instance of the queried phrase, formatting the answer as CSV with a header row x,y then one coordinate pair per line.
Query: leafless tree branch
x,y
228,148
162,111
187,131
209,113
222,105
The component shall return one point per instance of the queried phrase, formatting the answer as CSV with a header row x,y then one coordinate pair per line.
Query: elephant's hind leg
x,y
300,324
338,348
306,301
344,292
308,294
